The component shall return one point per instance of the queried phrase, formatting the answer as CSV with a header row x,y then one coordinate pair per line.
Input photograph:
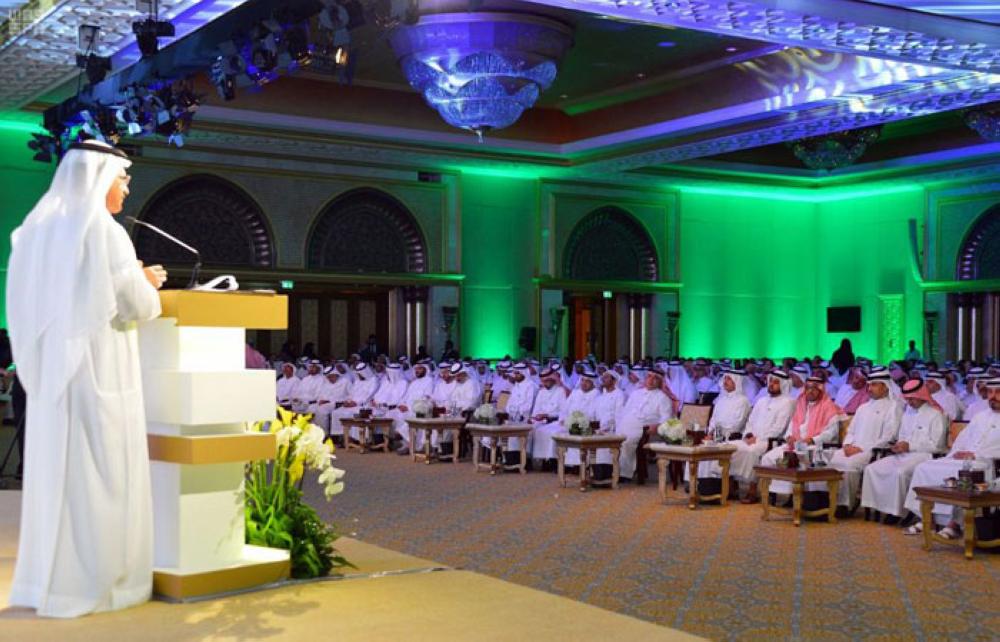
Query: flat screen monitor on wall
x,y
843,319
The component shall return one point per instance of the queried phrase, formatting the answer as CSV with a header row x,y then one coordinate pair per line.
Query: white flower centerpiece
x,y
672,431
485,414
423,407
578,424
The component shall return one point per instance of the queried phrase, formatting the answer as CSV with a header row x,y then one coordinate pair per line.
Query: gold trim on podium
x,y
212,449
180,586
251,310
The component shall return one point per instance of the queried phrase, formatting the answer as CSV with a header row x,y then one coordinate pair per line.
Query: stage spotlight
x,y
148,33
96,67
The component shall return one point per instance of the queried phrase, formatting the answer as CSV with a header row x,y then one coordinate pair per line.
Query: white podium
x,y
198,397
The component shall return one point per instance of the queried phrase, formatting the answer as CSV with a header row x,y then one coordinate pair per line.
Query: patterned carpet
x,y
719,573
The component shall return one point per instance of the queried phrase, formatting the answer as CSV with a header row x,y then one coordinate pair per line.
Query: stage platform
x,y
390,596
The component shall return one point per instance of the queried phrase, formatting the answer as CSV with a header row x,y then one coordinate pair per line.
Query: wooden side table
x,y
429,426
499,434
798,479
693,455
970,501
366,429
587,445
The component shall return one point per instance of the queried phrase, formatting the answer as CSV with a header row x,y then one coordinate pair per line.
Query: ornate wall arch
x,y
366,230
211,214
979,254
610,244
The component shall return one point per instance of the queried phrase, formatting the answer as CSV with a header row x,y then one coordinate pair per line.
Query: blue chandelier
x,y
480,71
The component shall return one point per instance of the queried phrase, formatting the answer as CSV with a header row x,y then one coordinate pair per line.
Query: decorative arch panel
x,y
610,244
366,230
211,214
979,254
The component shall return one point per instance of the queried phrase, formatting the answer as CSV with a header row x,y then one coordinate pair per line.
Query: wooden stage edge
x,y
391,596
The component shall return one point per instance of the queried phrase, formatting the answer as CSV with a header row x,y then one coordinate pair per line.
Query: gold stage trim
x,y
274,567
212,449
252,310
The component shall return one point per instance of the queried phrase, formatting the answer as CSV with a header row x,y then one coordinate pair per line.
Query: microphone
x,y
176,241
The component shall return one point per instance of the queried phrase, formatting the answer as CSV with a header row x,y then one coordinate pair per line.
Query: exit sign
x,y
287,285
608,294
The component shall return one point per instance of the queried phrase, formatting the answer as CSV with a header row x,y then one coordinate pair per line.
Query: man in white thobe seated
x,y
519,405
769,418
646,406
422,387
922,432
981,401
970,393
949,403
362,390
874,425
852,394
464,395
307,392
729,417
390,394
287,386
607,409
549,404
584,400
336,391
815,421
975,448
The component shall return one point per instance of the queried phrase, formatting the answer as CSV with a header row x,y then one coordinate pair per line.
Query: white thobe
x,y
421,388
830,432
548,402
643,408
307,392
981,437
975,408
578,401
949,403
874,425
730,415
519,405
706,384
769,418
86,531
327,399
287,388
362,392
886,481
844,395
389,394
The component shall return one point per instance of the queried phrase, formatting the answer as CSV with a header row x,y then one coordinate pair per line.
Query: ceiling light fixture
x,y
835,150
480,71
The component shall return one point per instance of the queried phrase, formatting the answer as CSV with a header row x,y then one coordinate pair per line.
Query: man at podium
x,y
74,294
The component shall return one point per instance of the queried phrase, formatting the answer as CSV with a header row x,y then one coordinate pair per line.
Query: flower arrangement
x,y
672,431
276,515
578,424
423,407
485,413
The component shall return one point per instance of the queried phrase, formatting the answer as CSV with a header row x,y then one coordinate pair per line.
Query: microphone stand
x,y
176,241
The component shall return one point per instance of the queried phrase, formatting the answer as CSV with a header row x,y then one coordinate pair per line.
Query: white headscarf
x,y
59,280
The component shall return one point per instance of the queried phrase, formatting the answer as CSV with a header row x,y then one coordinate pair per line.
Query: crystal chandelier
x,y
835,150
985,121
480,71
